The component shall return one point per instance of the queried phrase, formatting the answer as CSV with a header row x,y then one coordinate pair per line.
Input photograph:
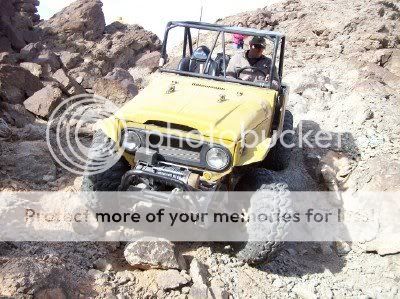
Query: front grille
x,y
178,153
176,150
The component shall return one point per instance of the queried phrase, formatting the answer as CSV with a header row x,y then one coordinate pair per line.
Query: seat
x,y
197,61
220,62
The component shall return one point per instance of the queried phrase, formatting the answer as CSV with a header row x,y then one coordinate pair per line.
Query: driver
x,y
252,58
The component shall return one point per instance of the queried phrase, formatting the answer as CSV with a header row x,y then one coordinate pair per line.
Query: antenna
x,y
201,17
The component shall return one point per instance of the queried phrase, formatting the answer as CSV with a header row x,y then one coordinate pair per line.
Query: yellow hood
x,y
216,109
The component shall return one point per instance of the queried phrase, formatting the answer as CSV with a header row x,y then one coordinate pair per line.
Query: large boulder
x,y
16,24
122,45
16,83
43,102
81,19
28,161
117,86
148,253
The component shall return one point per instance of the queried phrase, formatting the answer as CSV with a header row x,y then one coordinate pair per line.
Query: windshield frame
x,y
277,39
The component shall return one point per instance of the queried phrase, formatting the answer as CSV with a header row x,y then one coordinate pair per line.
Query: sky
x,y
153,15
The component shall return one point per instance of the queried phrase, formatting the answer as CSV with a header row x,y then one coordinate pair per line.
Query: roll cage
x,y
277,39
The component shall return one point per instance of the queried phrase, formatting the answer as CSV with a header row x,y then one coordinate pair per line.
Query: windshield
x,y
233,54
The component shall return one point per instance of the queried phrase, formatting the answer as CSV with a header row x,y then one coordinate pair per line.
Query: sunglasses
x,y
258,46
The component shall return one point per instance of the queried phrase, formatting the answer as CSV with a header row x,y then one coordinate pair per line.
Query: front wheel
x,y
109,179
271,197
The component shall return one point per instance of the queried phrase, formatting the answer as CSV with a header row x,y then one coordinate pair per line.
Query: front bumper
x,y
164,174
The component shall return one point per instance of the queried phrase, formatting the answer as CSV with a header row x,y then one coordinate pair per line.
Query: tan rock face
x,y
43,102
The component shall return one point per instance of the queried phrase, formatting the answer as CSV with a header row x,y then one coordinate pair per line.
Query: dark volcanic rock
x,y
17,83
81,19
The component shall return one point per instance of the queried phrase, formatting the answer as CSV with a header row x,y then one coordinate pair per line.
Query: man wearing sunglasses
x,y
240,63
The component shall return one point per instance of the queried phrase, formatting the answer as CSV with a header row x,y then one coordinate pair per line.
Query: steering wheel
x,y
257,69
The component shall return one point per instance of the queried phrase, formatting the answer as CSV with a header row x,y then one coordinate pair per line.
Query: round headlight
x,y
217,158
131,141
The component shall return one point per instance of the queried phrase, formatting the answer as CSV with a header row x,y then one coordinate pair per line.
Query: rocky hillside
x,y
343,68
42,63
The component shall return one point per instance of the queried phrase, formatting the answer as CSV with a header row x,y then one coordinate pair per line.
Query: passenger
x,y
238,39
252,58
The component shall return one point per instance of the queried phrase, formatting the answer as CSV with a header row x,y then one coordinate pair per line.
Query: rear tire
x,y
278,157
277,201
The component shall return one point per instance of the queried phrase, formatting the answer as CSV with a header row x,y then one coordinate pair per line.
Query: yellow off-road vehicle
x,y
196,128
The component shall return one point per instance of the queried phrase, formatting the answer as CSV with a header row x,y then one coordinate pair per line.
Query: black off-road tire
x,y
278,157
254,252
110,179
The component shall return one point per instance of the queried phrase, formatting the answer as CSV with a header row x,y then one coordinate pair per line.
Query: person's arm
x,y
275,79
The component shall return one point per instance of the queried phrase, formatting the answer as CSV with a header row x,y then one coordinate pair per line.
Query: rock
x,y
342,248
28,161
68,84
170,280
5,131
149,60
383,246
81,19
99,277
31,51
122,44
150,253
43,102
198,272
304,290
16,114
217,289
199,291
70,60
123,277
141,76
393,64
16,24
34,68
102,265
49,61
32,132
51,293
8,58
16,82
117,86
